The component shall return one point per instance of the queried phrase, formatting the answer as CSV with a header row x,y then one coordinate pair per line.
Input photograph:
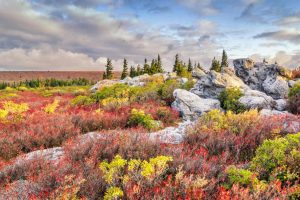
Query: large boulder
x,y
254,99
211,85
277,88
192,106
103,83
171,135
268,78
281,104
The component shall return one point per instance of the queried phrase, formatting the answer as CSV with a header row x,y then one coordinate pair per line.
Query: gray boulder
x,y
269,112
281,104
277,88
171,135
211,85
254,99
192,106
269,78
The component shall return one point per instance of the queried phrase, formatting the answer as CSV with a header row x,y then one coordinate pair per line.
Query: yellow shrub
x,y
12,111
113,193
112,103
3,114
237,123
51,108
155,166
116,175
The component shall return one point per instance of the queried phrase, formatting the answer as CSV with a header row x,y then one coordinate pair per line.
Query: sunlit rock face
x,y
191,105
269,78
211,84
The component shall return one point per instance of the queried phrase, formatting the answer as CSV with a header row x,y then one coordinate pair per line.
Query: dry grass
x,y
16,76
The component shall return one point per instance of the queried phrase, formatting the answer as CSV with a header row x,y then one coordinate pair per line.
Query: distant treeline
x,y
36,83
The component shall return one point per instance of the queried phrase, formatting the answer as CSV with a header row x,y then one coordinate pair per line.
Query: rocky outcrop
x,y
191,105
254,99
138,80
171,135
281,104
210,85
271,79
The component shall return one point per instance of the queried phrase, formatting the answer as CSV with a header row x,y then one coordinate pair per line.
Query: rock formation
x,y
265,86
271,79
192,106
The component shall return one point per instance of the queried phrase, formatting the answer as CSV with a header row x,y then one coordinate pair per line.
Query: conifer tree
x,y
215,65
108,74
146,67
139,70
125,69
159,65
176,64
132,72
190,67
153,67
224,62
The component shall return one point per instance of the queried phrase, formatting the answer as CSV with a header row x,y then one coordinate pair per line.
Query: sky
x,y
81,34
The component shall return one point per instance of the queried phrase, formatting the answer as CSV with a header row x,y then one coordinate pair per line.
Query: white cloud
x,y
203,7
51,59
290,60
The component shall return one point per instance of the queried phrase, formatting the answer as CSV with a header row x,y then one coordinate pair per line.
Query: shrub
x,y
166,90
138,117
111,103
51,108
116,91
236,135
295,90
229,100
278,159
119,172
82,101
188,85
145,93
165,115
12,111
243,177
294,99
296,73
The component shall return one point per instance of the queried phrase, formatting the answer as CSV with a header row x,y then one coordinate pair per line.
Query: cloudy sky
x,y
80,34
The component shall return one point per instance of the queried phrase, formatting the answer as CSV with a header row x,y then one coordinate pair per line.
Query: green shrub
x,y
138,117
188,85
144,93
82,101
242,177
229,100
115,91
278,158
166,90
295,90
294,99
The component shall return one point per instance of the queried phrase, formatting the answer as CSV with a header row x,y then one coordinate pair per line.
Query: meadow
x,y
223,155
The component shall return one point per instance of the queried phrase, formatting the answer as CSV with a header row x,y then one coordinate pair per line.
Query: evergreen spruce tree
x,y
224,62
153,67
125,69
176,64
139,70
159,65
146,68
190,67
108,74
132,72
215,65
